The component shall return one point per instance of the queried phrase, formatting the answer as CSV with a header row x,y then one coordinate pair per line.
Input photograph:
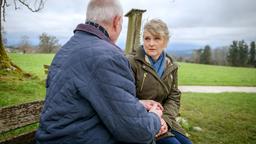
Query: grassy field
x,y
16,91
189,74
226,118
199,74
32,63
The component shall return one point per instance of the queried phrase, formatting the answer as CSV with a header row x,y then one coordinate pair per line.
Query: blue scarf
x,y
159,64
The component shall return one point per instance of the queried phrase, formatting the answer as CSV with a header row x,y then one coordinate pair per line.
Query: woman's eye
x,y
146,38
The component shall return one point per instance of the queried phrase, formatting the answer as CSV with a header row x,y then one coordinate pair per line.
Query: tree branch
x,y
37,8
15,5
4,4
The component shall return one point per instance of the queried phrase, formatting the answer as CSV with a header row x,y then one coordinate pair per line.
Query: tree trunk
x,y
3,56
5,62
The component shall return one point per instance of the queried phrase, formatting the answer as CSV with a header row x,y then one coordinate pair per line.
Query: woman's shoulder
x,y
171,61
131,62
130,56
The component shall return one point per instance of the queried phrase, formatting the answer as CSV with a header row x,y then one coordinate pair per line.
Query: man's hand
x,y
163,129
157,108
148,104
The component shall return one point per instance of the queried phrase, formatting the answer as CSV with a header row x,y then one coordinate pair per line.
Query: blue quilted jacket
x,y
90,95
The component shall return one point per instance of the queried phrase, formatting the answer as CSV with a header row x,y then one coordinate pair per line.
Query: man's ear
x,y
116,22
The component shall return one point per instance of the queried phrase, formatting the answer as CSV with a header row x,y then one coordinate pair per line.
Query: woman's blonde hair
x,y
157,27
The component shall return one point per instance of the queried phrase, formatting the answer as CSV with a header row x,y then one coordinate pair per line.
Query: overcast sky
x,y
192,23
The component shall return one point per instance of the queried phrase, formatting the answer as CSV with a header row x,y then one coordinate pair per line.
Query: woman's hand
x,y
148,104
155,109
163,129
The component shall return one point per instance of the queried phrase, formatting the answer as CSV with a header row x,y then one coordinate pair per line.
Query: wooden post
x,y
133,32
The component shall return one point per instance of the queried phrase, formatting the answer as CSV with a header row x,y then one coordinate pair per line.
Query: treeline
x,y
47,44
239,53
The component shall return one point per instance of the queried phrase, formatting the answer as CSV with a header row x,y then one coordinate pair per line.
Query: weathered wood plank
x,y
18,116
27,138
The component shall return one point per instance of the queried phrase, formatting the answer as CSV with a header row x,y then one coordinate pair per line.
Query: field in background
x,y
32,63
21,90
226,118
199,74
189,74
17,91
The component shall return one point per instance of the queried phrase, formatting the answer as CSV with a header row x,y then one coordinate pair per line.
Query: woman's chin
x,y
152,54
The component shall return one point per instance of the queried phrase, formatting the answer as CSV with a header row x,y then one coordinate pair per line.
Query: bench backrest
x,y
19,116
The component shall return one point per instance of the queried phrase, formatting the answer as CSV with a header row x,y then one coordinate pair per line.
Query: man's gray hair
x,y
103,10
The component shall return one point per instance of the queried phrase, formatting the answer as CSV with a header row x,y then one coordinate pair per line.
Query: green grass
x,y
32,63
26,129
189,74
226,118
199,74
15,89
16,92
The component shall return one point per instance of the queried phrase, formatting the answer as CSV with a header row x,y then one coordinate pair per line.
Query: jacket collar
x,y
96,25
92,30
140,55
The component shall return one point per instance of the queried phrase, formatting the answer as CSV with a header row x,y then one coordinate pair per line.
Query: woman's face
x,y
153,45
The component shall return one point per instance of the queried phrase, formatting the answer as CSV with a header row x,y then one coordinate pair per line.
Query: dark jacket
x,y
164,90
91,95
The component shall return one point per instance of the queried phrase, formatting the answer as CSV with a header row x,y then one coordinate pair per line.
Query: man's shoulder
x,y
93,50
89,40
105,52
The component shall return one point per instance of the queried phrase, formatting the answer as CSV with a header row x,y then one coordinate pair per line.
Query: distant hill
x,y
180,53
182,49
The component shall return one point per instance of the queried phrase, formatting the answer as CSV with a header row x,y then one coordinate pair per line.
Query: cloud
x,y
214,22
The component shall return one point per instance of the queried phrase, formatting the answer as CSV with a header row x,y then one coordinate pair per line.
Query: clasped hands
x,y
157,108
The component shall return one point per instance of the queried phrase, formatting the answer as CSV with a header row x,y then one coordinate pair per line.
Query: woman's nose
x,y
151,43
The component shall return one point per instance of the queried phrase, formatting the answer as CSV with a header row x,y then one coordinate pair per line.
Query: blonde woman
x,y
156,79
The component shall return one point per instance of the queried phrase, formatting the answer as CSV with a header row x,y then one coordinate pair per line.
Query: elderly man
x,y
91,96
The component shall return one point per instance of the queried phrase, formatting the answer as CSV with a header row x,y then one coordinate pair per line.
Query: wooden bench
x,y
19,116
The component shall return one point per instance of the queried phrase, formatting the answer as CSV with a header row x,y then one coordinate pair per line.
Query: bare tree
x,y
219,55
24,45
196,55
48,43
32,5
